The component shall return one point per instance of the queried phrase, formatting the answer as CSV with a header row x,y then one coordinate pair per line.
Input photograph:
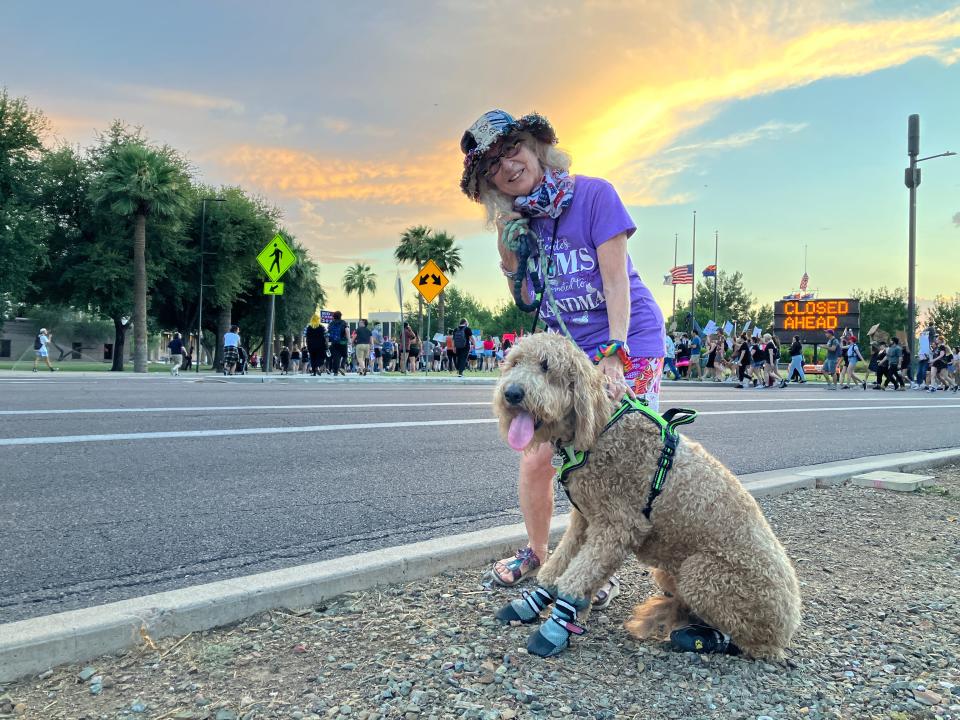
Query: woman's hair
x,y
495,202
337,315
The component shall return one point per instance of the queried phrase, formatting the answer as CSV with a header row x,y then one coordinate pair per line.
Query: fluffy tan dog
x,y
713,553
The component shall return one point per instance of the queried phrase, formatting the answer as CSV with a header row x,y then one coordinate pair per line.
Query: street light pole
x,y
716,270
693,284
912,181
203,231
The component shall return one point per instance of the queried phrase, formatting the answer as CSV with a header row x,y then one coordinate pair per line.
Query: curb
x,y
34,645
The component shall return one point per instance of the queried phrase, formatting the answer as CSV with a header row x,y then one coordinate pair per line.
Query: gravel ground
x,y
878,570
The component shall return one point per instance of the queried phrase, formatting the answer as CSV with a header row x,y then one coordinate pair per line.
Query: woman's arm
x,y
612,257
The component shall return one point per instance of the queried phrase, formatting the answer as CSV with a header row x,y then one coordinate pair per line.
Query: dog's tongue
x,y
521,431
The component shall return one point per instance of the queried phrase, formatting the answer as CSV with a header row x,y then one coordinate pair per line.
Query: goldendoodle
x,y
727,583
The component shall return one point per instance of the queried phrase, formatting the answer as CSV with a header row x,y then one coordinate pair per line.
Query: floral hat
x,y
487,130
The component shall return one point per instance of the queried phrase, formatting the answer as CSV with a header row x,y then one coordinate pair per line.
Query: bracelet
x,y
612,348
508,273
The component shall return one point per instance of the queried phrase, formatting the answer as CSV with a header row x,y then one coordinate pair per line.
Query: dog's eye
x,y
543,364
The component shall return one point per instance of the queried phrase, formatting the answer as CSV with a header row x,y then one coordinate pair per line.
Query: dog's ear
x,y
591,407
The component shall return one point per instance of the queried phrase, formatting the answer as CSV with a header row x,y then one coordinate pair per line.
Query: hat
x,y
830,332
42,331
487,130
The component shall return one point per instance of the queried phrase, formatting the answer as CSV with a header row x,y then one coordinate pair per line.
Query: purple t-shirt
x,y
596,215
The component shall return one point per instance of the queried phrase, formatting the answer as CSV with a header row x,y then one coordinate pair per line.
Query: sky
x,y
781,124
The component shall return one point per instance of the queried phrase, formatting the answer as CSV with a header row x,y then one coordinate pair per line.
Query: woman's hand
x,y
614,382
507,256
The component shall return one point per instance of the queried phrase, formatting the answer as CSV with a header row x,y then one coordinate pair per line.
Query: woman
x,y
338,334
592,293
796,361
853,356
942,359
771,361
316,344
411,342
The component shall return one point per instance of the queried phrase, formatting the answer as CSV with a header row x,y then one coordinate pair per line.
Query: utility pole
x,y
203,233
716,270
676,239
912,181
693,284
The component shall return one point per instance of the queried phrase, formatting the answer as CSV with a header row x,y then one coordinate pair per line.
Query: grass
x,y
76,366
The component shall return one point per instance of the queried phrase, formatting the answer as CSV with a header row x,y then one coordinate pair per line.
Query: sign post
x,y
275,259
429,282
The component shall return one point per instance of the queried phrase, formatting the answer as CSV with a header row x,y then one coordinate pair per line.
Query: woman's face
x,y
512,168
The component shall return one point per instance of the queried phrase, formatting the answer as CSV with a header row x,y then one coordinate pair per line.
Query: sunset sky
x,y
782,124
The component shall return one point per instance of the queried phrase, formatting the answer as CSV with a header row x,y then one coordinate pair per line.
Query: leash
x,y
566,459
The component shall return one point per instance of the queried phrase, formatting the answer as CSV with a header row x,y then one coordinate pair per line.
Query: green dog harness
x,y
566,459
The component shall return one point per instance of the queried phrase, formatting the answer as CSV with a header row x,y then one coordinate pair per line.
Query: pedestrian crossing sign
x,y
273,288
276,258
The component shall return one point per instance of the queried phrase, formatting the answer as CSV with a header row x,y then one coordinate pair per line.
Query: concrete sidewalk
x,y
34,645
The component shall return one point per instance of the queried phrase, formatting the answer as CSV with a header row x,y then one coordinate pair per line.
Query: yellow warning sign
x,y
276,258
430,281
273,288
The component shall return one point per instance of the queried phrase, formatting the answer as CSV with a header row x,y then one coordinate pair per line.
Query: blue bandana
x,y
548,199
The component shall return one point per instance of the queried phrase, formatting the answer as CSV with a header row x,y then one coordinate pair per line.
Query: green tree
x,y
413,249
359,278
139,181
884,307
23,224
508,318
463,305
441,249
945,317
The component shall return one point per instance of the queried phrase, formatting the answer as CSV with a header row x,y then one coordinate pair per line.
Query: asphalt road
x,y
114,487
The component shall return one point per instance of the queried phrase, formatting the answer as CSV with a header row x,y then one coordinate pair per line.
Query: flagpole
x,y
716,269
676,239
693,284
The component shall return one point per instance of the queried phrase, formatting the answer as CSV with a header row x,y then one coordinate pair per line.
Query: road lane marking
x,y
351,406
65,439
62,439
218,408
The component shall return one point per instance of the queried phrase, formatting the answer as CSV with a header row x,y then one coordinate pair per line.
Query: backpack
x,y
335,332
37,344
459,338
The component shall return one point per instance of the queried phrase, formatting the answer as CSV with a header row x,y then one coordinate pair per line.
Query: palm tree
x,y
446,255
359,278
413,249
140,181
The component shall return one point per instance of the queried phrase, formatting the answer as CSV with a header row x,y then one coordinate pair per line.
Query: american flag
x,y
803,281
682,275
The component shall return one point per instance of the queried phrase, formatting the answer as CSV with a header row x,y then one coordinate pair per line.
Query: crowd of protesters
x,y
336,349
754,361
742,360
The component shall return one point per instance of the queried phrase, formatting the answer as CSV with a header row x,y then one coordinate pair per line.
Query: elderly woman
x,y
577,240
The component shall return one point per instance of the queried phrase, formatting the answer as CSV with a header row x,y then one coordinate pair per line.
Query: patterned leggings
x,y
644,375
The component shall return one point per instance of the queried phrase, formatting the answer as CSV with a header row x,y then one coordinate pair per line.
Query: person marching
x,y
575,229
830,363
40,347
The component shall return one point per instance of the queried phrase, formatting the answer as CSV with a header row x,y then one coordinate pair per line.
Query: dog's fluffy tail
x,y
657,617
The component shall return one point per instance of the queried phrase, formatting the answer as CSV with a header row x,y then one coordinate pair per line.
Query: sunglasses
x,y
510,150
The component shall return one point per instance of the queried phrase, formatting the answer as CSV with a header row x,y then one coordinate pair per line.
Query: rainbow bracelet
x,y
611,348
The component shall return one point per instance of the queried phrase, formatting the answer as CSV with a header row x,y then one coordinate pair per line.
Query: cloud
x,y
767,131
956,219
183,98
403,179
741,55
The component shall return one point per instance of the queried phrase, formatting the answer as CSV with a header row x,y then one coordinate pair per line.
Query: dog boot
x,y
553,637
526,608
700,638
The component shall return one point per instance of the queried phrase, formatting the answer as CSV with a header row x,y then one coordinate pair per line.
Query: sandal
x,y
610,589
509,571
